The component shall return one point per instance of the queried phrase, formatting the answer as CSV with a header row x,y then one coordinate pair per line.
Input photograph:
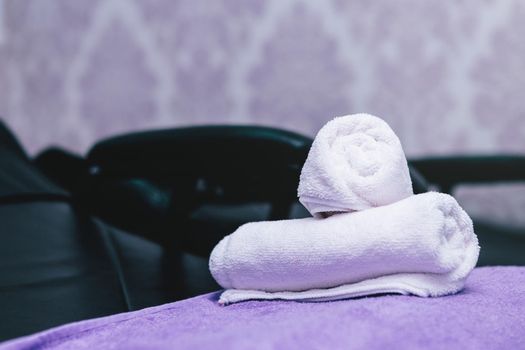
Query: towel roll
x,y
423,245
356,162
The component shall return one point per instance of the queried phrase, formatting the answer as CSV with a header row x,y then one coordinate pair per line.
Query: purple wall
x,y
448,76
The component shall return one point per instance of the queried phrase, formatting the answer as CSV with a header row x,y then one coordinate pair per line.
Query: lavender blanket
x,y
488,314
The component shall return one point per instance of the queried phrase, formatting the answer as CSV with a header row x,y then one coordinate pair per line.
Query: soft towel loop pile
x,y
356,162
423,245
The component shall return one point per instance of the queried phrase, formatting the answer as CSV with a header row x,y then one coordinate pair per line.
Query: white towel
x,y
356,162
423,245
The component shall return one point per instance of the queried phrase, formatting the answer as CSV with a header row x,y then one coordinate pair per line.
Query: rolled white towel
x,y
356,162
423,245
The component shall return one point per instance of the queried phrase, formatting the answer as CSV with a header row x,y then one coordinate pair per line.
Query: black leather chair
x,y
58,263
62,256
202,181
189,187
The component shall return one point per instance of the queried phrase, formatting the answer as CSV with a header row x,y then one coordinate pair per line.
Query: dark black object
x,y
447,172
58,264
67,169
179,186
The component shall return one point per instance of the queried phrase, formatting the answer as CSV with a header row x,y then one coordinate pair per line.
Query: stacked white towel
x,y
356,162
423,244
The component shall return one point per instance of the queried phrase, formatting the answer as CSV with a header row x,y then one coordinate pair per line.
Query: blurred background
x,y
447,76
96,228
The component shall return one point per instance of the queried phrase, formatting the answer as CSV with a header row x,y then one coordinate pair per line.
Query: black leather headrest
x,y
201,150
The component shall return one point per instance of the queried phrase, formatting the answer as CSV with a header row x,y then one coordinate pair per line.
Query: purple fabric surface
x,y
488,314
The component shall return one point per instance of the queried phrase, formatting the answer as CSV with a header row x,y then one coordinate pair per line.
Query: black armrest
x,y
155,182
200,150
447,172
239,162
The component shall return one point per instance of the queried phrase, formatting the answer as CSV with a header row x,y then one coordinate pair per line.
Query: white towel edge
x,y
417,284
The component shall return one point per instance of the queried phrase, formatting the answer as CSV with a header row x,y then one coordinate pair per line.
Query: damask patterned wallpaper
x,y
449,76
